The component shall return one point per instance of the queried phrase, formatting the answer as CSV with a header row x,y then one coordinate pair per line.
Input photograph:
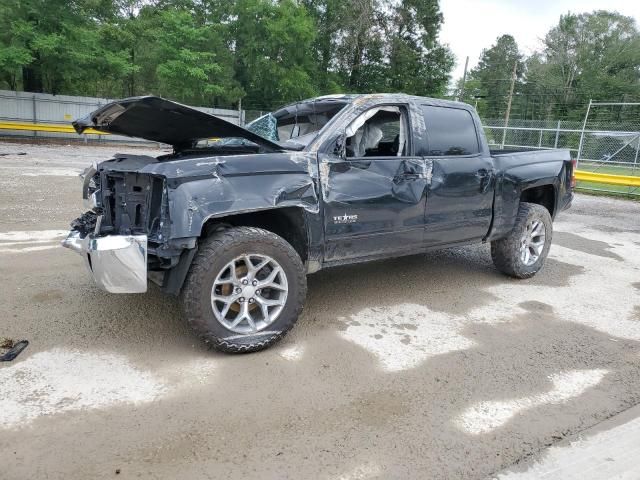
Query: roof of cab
x,y
365,98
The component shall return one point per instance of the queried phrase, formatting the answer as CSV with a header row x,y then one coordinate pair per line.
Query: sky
x,y
471,25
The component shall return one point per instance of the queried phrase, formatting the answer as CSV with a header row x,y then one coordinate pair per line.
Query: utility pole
x,y
240,122
464,80
506,116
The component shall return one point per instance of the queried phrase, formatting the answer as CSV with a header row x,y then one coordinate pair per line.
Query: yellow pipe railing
x,y
608,179
45,127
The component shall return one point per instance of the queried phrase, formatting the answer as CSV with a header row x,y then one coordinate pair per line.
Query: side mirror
x,y
340,148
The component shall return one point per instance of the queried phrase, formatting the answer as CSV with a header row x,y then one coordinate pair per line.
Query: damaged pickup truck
x,y
234,224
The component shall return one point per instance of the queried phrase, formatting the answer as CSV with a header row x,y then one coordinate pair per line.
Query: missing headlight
x,y
90,187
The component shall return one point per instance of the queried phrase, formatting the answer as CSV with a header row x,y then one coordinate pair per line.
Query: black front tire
x,y
506,252
217,251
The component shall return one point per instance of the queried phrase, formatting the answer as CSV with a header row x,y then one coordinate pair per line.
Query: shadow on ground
x,y
334,409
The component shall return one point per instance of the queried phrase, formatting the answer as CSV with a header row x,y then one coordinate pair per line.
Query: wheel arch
x,y
510,193
290,223
544,195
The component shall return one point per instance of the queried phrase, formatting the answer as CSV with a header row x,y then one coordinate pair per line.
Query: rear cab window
x,y
450,132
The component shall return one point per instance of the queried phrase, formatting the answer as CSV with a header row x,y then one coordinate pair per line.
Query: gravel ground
x,y
421,367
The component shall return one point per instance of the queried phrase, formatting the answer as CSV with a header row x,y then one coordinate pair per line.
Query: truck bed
x,y
510,151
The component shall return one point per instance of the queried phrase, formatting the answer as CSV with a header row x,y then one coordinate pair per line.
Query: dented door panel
x,y
373,206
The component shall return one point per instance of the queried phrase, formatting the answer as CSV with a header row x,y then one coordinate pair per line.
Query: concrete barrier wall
x,y
38,114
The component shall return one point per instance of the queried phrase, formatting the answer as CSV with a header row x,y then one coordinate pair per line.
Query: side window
x,y
450,131
379,132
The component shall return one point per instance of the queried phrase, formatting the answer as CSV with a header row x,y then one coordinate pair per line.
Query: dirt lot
x,y
423,367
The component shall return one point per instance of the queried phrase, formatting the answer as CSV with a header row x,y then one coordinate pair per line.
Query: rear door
x,y
375,192
460,194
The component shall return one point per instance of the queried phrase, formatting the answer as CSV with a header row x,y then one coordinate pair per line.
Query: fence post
x,y
635,160
35,114
555,144
584,126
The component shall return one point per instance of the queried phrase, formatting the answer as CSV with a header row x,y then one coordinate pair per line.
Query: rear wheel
x,y
522,253
245,289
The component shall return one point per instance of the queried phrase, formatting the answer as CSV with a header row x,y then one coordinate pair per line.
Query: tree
x,y
57,46
270,42
15,55
491,79
216,52
328,18
375,45
178,57
587,56
418,63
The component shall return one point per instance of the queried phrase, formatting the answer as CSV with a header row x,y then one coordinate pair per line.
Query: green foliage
x,y
271,45
491,79
585,56
270,52
217,52
418,63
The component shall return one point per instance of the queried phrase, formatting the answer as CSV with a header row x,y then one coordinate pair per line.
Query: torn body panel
x,y
519,172
373,205
171,201
200,188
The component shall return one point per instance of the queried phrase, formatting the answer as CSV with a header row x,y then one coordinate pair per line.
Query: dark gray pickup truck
x,y
235,218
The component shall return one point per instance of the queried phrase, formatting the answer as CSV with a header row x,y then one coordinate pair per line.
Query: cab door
x,y
460,194
374,189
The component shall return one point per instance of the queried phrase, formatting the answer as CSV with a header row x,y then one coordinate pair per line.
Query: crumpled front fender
x,y
194,202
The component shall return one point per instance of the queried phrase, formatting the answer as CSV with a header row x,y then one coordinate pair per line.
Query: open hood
x,y
160,120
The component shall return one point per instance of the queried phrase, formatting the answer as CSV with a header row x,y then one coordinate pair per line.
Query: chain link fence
x,y
607,141
535,134
251,115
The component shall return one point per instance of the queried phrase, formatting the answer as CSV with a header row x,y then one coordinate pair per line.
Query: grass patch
x,y
610,169
606,189
598,191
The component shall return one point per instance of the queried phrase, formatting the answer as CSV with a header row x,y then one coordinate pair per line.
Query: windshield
x,y
296,124
293,126
266,126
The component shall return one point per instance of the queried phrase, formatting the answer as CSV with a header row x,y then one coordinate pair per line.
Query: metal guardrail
x,y
608,179
45,127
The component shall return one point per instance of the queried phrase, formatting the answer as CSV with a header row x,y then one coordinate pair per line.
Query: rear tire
x,y
522,253
236,263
